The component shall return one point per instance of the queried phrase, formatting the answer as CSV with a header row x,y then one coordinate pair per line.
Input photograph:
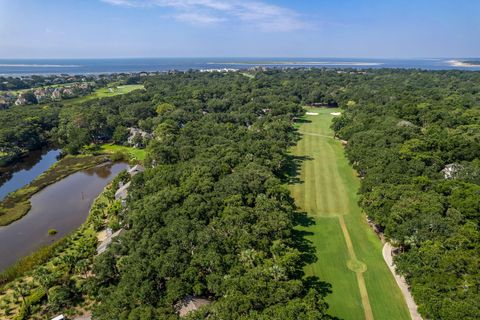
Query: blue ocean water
x,y
97,66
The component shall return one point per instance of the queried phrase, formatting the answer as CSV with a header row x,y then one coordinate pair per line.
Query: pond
x,y
63,206
26,170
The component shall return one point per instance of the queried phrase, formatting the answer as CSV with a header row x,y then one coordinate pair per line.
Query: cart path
x,y
412,306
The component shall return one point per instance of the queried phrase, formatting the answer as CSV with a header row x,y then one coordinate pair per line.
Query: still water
x,y
26,170
62,206
96,66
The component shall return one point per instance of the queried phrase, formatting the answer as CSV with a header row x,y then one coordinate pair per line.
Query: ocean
x,y
98,66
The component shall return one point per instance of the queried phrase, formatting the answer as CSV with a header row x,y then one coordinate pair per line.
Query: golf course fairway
x,y
349,254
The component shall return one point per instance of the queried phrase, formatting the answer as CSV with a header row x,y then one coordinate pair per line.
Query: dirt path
x,y
412,306
359,268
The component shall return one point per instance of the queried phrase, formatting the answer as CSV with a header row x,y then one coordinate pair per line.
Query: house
x,y
122,192
108,240
405,123
3,103
136,133
136,169
83,86
20,101
56,94
189,304
40,94
59,317
68,92
450,170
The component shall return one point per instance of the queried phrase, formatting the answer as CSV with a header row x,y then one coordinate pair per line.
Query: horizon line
x,y
231,57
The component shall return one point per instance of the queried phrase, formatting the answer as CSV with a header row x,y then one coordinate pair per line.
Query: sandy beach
x,y
458,63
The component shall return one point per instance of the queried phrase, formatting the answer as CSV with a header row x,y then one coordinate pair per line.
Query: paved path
x,y
412,306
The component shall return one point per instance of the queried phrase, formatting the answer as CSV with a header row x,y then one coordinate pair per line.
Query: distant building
x,y
3,103
108,240
189,304
135,133
68,92
40,94
405,123
83,86
56,94
20,101
122,192
450,170
136,169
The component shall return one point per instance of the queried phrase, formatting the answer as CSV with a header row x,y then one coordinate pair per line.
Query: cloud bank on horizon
x,y
260,15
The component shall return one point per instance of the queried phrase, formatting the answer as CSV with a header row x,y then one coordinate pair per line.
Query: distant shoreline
x,y
28,67
300,63
459,63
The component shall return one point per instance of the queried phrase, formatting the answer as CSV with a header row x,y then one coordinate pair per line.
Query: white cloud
x,y
260,15
197,18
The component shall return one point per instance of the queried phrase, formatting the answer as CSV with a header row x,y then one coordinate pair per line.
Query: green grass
x,y
248,75
327,191
138,154
104,93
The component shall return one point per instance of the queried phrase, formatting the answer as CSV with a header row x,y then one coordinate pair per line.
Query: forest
x,y
212,216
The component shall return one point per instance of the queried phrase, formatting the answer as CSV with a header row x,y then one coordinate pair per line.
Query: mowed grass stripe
x,y
322,192
334,190
331,266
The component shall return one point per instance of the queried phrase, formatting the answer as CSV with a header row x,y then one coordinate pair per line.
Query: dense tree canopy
x,y
211,215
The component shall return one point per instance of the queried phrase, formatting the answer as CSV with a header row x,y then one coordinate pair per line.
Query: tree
x,y
21,290
45,278
120,135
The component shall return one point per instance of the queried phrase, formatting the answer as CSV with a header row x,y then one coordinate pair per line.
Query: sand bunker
x,y
312,113
335,113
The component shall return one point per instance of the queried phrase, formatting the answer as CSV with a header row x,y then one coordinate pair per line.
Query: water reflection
x,y
100,171
26,170
62,206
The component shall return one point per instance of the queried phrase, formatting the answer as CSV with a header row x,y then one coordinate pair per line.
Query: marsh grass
x,y
17,203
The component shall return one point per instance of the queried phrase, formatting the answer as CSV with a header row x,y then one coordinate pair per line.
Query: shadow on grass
x,y
307,253
291,169
313,282
304,245
300,120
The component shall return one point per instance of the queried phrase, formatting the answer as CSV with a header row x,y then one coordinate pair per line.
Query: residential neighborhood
x,y
45,94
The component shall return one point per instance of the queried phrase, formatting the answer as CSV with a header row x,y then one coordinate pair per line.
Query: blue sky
x,y
239,28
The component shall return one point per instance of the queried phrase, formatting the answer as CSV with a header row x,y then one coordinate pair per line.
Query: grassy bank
x,y
133,153
29,262
349,254
17,204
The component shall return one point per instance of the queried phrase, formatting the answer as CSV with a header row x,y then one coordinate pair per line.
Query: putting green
x,y
348,251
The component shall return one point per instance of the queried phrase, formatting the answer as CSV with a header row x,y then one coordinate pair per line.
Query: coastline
x,y
458,63
49,67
